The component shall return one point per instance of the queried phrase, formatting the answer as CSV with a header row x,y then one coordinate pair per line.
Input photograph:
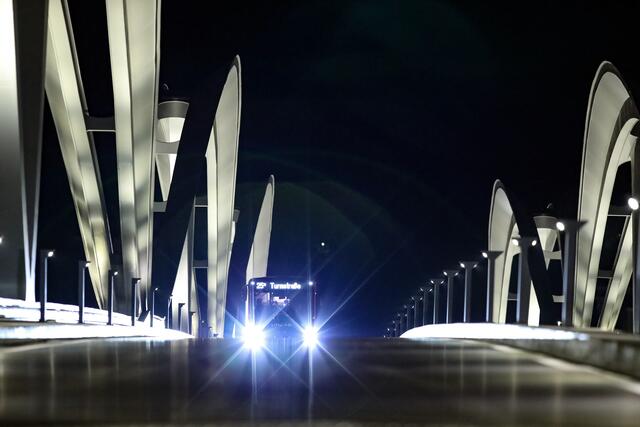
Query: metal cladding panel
x,y
611,115
134,33
66,99
259,255
222,158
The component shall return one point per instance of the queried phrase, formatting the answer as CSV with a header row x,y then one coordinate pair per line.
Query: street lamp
x,y
633,203
425,293
153,305
468,275
524,278
436,298
451,274
491,257
180,306
416,302
399,324
82,268
407,308
45,254
570,228
134,284
168,319
112,278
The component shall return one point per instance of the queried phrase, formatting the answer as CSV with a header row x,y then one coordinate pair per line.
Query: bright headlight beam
x,y
310,336
253,337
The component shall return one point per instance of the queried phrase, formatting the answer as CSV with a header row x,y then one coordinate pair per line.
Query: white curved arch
x,y
502,228
222,158
259,255
608,143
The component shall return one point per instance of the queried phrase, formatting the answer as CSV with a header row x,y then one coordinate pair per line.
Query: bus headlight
x,y
310,336
253,337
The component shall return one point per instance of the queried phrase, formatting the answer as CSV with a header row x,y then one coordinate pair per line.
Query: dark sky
x,y
384,123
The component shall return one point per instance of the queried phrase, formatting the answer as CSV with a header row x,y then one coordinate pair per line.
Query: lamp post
x,y
112,278
468,276
416,302
524,278
406,309
634,204
451,274
570,228
134,284
491,257
153,306
82,268
425,293
399,323
180,306
168,319
45,254
436,298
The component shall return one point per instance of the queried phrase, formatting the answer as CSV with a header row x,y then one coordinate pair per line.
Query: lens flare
x,y
253,337
310,336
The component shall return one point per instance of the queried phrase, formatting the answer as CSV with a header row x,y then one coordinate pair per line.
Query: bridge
x,y
518,342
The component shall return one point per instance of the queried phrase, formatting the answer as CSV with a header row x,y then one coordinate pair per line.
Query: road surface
x,y
451,382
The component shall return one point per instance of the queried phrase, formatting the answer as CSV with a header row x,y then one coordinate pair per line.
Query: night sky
x,y
384,123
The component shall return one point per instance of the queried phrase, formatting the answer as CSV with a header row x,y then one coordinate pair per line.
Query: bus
x,y
280,309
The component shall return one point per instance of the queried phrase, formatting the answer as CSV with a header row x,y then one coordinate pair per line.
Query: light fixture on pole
x,y
491,257
134,284
169,318
153,306
180,306
451,274
425,292
468,276
437,282
110,295
45,254
416,302
399,323
570,228
82,268
406,309
524,278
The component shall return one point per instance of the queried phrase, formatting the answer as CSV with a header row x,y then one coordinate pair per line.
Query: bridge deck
x,y
434,382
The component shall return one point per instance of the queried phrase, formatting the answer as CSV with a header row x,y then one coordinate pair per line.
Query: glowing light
x,y
322,244
310,336
485,254
560,226
115,273
534,242
1,238
253,337
461,265
87,264
493,331
310,283
49,254
633,203
515,242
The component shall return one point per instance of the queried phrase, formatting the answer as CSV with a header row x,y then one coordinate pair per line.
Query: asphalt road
x,y
438,382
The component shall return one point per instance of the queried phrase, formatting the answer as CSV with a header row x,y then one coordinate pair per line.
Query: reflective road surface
x,y
140,381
